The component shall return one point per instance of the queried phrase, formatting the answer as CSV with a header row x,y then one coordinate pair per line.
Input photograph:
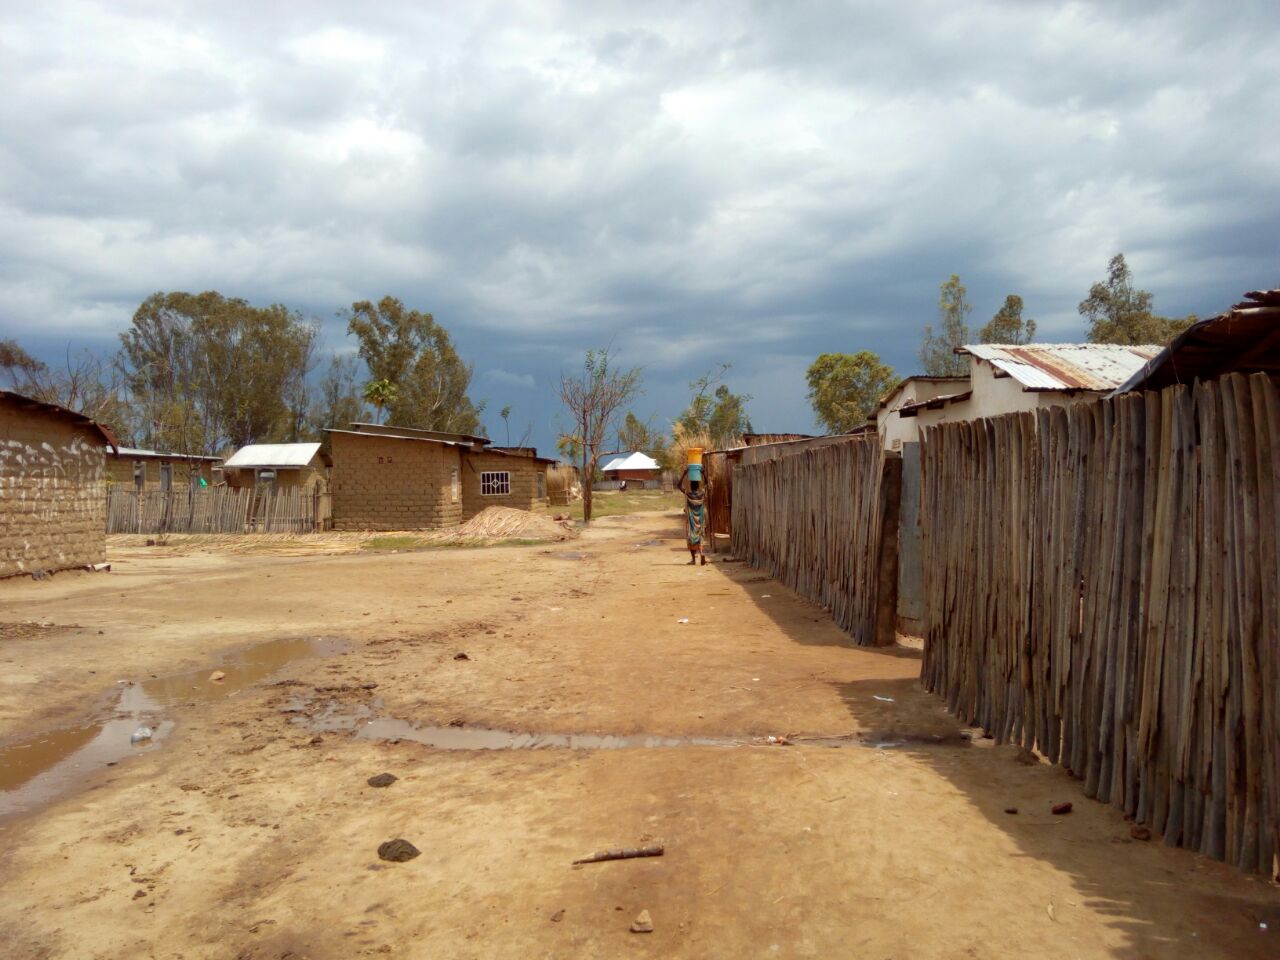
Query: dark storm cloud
x,y
691,183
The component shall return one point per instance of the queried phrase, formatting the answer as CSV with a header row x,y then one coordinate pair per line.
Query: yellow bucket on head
x,y
695,456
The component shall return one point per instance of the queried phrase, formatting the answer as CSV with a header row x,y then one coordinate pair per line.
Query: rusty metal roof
x,y
1243,339
1065,366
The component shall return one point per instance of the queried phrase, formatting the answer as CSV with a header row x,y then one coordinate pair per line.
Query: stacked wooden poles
x,y
813,519
1102,583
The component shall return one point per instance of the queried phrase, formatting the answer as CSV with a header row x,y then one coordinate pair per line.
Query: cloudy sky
x,y
694,183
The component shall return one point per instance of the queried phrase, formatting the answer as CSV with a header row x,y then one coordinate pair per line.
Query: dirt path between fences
x,y
249,830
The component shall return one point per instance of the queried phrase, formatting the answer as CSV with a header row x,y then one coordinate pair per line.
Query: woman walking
x,y
695,517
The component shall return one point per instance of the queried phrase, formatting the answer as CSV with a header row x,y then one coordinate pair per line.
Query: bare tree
x,y
594,399
86,382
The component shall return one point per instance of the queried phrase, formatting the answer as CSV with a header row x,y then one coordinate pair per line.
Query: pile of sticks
x,y
1102,583
813,519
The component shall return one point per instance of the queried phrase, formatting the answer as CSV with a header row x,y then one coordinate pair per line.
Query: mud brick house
x,y
53,492
278,465
401,478
132,469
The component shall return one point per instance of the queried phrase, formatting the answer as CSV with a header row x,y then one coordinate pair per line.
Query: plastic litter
x,y
765,596
141,734
683,620
876,696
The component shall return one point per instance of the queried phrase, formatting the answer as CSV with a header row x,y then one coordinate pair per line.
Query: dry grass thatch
x,y
682,439
508,523
563,486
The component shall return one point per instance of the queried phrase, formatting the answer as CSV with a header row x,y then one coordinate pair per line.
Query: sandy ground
x,y
249,833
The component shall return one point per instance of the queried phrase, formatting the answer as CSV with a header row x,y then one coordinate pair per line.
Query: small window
x,y
495,484
453,484
166,476
542,484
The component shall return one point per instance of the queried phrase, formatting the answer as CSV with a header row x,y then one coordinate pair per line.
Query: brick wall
x,y
385,483
524,482
52,492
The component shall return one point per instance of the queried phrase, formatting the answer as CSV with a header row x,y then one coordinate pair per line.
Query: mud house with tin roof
x,y
52,487
278,465
401,478
129,468
1007,378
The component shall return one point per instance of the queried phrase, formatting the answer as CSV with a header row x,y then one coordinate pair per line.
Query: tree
x,y
937,351
1008,325
845,388
408,348
339,401
569,447
206,371
382,394
635,434
19,367
505,414
715,410
593,399
1117,312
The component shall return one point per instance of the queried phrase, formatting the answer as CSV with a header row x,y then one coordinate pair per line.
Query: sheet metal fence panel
x,y
1102,583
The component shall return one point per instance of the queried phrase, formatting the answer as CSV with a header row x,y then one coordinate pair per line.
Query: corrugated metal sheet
x,y
273,455
136,452
1244,339
1065,366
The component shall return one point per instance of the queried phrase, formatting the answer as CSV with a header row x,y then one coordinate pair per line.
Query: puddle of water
x,y
38,769
891,740
570,555
479,738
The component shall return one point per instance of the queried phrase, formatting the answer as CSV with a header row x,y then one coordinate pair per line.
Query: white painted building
x,y
1007,379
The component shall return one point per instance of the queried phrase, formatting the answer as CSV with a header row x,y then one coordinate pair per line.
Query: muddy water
x,y
37,770
481,738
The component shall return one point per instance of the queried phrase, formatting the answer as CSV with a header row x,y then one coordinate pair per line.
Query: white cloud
x,y
691,182
508,379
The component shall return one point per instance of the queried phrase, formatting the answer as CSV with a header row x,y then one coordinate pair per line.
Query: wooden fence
x,y
217,510
814,520
1102,583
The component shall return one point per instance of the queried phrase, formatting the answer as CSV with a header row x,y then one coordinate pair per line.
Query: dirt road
x,y
249,831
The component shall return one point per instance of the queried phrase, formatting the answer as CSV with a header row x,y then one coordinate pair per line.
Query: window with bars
x,y
454,488
495,484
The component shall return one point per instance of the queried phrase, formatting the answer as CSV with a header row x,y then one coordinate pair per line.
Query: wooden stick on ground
x,y
624,853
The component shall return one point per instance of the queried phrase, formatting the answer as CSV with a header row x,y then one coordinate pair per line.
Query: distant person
x,y
695,517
